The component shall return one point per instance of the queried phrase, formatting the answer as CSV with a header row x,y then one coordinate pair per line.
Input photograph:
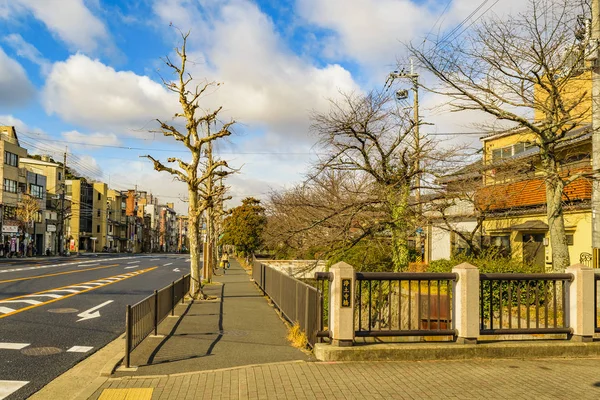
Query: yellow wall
x,y
577,223
100,204
577,87
75,213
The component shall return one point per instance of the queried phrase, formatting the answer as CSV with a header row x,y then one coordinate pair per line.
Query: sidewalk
x,y
239,328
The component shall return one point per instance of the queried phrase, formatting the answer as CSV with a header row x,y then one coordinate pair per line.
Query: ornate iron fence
x,y
523,303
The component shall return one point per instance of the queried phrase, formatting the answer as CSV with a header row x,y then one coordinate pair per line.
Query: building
x,y
13,186
183,242
116,235
168,228
55,205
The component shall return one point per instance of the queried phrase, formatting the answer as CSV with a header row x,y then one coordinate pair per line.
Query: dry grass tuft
x,y
297,337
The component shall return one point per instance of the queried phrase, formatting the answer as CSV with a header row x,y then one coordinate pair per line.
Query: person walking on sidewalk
x,y
225,261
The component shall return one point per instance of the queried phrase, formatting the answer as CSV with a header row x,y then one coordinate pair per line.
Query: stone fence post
x,y
466,303
341,304
581,305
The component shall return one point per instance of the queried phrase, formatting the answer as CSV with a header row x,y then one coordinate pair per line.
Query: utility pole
x,y
61,233
593,58
400,95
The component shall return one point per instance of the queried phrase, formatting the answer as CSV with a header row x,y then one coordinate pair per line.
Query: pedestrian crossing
x,y
18,304
79,263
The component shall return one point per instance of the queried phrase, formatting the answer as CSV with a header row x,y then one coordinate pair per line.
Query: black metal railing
x,y
585,259
596,304
143,318
297,301
404,304
323,284
523,303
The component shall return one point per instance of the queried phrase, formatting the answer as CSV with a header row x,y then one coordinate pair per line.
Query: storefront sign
x,y
10,229
50,228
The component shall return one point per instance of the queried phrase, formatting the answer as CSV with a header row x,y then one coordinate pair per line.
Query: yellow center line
x,y
58,273
69,295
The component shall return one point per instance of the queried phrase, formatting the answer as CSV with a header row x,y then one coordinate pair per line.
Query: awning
x,y
532,225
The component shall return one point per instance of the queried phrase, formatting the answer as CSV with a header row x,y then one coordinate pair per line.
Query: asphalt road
x,y
44,327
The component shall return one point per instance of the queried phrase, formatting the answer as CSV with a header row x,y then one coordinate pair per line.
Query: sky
x,y
84,77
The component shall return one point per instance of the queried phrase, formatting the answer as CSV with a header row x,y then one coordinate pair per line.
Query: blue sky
x,y
87,71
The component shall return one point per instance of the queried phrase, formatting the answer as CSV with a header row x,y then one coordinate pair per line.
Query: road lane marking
x,y
79,349
18,299
89,314
13,346
154,259
56,274
6,310
54,296
133,262
133,266
9,387
64,264
167,264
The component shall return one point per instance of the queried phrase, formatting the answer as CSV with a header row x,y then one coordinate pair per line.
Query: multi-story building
x,y
13,181
116,221
183,244
168,230
55,205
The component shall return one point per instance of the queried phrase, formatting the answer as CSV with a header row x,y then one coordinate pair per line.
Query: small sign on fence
x,y
346,292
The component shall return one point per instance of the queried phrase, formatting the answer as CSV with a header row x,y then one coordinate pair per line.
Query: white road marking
x,y
32,302
88,314
176,270
67,290
6,310
154,259
78,263
54,296
133,266
80,349
81,286
133,262
13,346
187,260
9,387
167,264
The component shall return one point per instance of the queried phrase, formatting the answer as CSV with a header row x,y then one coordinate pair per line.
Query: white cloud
x,y
80,139
89,93
15,87
27,51
70,20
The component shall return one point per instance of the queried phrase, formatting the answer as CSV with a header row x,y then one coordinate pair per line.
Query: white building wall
x,y
440,239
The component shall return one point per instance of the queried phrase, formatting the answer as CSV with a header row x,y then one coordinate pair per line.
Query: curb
x,y
86,377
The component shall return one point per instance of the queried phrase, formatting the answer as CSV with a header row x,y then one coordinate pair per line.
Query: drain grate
x,y
63,310
41,351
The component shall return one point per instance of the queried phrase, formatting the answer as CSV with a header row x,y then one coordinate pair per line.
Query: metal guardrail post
x,y
128,332
155,312
172,298
182,288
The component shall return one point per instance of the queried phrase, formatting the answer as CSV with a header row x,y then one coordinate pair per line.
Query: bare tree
x,y
194,172
511,67
371,136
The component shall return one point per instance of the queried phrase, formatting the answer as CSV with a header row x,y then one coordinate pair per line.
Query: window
x,y
11,159
110,229
570,240
10,186
98,213
509,151
59,176
10,212
36,191
501,244
97,228
99,196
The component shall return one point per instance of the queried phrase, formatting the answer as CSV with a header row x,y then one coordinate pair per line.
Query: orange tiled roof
x,y
530,192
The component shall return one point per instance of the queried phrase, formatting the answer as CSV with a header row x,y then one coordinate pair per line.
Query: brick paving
x,y
472,379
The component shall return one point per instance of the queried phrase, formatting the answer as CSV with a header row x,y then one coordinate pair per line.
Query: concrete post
x,y
581,305
466,303
341,305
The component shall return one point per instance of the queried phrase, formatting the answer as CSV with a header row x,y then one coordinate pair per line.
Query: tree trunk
x,y
556,220
398,202
194,232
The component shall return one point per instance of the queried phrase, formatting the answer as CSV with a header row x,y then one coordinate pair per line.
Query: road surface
x,y
55,312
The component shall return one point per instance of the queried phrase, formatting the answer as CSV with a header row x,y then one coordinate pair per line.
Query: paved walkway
x,y
240,328
498,379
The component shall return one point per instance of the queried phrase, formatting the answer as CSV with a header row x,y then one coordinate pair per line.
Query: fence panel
x,y
523,303
404,304
323,289
297,301
142,318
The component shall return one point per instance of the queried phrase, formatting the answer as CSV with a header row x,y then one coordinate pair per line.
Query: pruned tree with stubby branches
x,y
196,138
527,70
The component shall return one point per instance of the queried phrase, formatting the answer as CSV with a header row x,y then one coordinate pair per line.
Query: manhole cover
x,y
41,351
234,333
63,310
